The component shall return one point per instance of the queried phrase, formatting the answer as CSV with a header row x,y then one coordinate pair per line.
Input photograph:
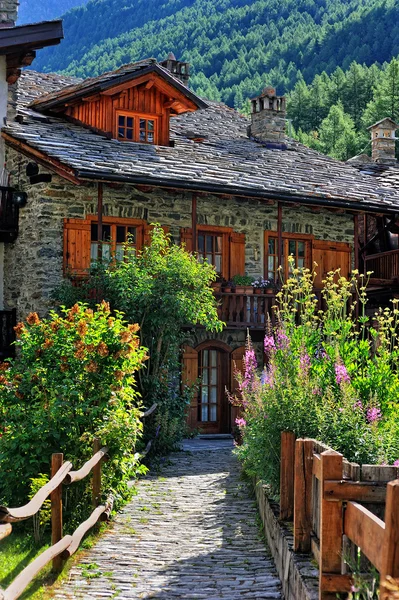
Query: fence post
x,y
287,475
303,484
390,565
96,480
331,528
56,511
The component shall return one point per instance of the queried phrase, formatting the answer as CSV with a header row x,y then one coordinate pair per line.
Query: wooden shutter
x,y
186,237
190,377
77,247
237,254
330,256
237,364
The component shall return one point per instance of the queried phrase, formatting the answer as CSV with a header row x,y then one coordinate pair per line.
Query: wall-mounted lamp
x,y
256,254
19,198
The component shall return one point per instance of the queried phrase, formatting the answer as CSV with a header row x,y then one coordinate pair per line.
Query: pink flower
x,y
269,344
396,463
282,340
304,363
341,410
267,377
241,422
316,391
358,405
341,374
374,414
250,366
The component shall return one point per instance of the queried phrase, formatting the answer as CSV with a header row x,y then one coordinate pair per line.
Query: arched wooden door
x,y
208,366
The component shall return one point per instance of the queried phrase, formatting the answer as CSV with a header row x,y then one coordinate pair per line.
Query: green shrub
x,y
166,290
73,380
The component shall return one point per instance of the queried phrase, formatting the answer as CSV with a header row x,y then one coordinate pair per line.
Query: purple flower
x,y
316,391
341,374
374,414
282,340
304,363
250,366
269,344
396,463
358,405
241,422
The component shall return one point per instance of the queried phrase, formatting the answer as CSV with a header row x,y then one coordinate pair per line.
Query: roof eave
x,y
35,36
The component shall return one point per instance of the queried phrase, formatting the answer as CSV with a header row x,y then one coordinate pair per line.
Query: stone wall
x,y
33,264
8,12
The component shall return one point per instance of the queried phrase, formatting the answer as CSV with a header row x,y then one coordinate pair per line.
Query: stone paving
x,y
191,533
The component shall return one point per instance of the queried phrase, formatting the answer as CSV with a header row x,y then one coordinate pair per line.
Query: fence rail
x,y
324,494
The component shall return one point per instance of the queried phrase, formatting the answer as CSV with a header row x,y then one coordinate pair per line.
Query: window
x,y
209,387
133,127
298,247
113,238
210,249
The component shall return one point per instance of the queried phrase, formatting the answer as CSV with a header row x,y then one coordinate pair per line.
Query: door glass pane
x,y
218,263
205,356
214,394
205,377
214,376
213,358
204,412
213,413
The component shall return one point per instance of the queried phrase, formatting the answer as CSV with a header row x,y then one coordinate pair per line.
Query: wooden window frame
x,y
136,126
286,237
115,222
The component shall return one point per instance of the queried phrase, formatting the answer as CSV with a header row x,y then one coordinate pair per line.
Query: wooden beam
x,y
390,548
303,484
317,466
333,583
287,475
366,531
56,511
149,84
279,233
355,491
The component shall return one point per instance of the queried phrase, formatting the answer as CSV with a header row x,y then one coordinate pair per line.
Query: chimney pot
x,y
383,141
179,69
268,120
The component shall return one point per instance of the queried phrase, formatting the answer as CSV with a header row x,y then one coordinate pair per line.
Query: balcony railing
x,y
8,320
384,265
9,212
245,310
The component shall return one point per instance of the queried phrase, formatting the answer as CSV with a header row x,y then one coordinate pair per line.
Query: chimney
x,y
8,13
383,141
268,117
181,70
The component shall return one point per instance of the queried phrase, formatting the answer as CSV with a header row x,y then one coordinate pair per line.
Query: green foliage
x,y
73,380
242,280
41,519
236,47
329,376
164,289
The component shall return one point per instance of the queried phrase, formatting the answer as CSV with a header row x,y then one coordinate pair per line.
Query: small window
x,y
297,248
210,249
131,127
114,237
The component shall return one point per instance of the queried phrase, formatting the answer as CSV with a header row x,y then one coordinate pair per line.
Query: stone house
x,y
108,156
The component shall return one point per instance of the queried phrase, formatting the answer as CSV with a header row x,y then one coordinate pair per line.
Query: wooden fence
x,y
63,547
324,495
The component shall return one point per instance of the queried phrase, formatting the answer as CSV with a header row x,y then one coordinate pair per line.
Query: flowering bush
x,y
73,380
330,375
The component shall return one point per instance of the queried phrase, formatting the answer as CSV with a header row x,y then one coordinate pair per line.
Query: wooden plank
x,y
336,583
379,473
74,476
12,515
56,510
317,466
5,530
303,478
287,475
21,582
390,549
331,524
355,491
315,549
366,530
80,532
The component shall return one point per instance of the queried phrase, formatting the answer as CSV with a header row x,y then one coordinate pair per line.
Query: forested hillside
x,y
31,11
235,46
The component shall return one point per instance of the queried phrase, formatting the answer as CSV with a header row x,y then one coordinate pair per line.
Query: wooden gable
x,y
147,97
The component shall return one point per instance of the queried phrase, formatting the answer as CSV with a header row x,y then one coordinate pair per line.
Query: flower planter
x,y
240,289
227,290
216,287
248,289
258,291
269,291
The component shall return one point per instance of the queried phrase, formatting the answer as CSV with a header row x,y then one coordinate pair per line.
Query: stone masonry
x,y
33,264
191,533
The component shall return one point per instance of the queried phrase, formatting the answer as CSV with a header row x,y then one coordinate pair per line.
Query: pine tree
x,y
337,134
385,102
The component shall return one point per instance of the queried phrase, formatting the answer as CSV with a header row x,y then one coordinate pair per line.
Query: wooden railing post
x,y
96,480
331,529
287,475
303,483
56,511
390,564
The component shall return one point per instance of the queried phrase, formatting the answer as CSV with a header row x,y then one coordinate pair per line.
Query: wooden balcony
x,y
385,267
9,213
245,311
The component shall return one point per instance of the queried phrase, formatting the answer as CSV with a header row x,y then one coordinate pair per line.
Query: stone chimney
x,y
181,70
268,117
383,141
8,13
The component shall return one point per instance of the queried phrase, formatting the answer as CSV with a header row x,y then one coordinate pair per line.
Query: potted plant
x,y
263,286
228,287
243,284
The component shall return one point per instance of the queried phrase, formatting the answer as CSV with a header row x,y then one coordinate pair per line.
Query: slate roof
x,y
227,161
109,79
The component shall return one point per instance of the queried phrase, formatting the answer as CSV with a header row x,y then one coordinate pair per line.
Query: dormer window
x,y
133,127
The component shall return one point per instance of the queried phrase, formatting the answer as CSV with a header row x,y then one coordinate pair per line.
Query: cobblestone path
x,y
190,533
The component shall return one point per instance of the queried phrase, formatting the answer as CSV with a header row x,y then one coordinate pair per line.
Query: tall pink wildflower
x,y
341,374
269,344
374,414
